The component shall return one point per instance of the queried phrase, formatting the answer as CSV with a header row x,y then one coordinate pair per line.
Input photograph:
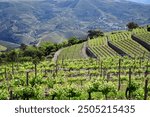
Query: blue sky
x,y
141,1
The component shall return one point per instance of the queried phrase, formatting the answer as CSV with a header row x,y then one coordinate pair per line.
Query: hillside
x,y
134,44
34,21
9,45
116,67
2,48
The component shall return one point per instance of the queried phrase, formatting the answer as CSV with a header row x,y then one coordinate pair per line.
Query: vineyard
x,y
100,48
73,52
76,79
129,46
144,36
119,70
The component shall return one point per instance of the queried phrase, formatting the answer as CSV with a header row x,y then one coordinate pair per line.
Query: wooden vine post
x,y
12,67
146,89
130,73
140,62
45,71
108,77
62,63
119,78
101,68
10,95
6,77
27,78
35,67
35,62
56,68
104,73
6,73
146,86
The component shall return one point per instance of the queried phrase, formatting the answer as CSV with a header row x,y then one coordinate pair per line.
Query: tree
x,y
23,46
132,25
72,41
64,43
33,52
47,48
95,33
148,28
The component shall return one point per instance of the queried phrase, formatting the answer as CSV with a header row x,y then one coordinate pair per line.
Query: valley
x,y
57,20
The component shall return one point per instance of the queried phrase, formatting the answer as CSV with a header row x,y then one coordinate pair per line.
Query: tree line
x,y
48,49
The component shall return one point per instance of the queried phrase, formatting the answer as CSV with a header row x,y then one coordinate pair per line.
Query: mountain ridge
x,y
30,22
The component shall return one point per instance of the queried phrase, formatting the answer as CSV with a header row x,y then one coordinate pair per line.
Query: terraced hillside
x,y
100,49
139,30
113,44
124,42
144,36
72,52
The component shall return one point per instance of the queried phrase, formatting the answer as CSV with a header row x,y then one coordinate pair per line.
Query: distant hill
x,y
2,48
8,45
30,22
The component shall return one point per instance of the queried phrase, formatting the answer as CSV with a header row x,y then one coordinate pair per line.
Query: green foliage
x,y
72,41
72,91
124,41
24,92
33,52
120,95
138,94
89,87
73,52
134,86
95,33
36,60
12,56
4,94
143,36
132,25
106,88
134,91
23,46
57,92
73,76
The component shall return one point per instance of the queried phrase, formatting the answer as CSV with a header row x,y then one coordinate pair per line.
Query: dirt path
x,y
84,50
56,55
